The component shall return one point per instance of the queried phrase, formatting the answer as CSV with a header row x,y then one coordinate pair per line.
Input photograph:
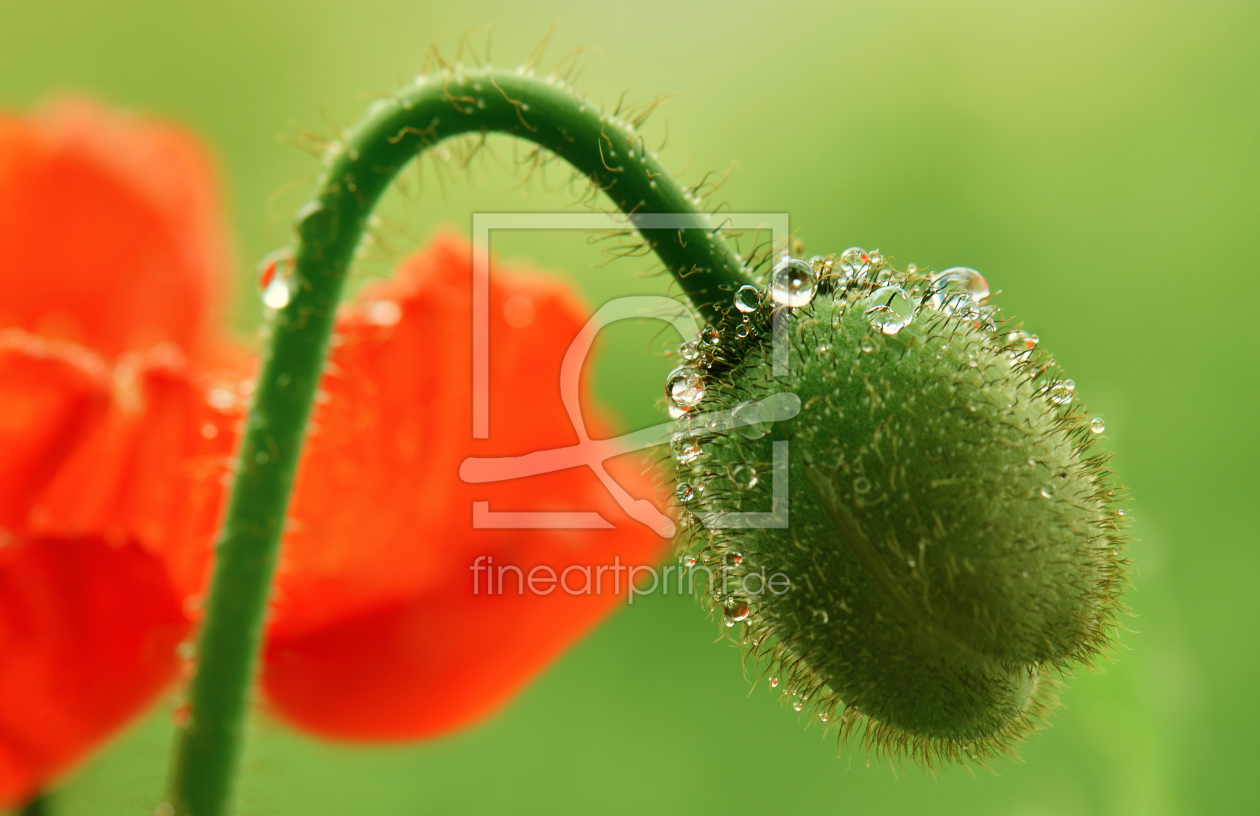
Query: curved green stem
x,y
329,228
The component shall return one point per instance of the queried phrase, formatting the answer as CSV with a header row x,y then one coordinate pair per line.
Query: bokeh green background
x,y
1096,160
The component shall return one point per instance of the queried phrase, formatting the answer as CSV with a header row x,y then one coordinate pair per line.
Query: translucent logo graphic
x,y
593,453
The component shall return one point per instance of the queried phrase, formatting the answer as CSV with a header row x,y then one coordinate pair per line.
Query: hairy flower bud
x,y
947,526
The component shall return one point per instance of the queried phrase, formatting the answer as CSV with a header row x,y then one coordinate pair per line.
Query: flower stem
x,y
358,170
37,806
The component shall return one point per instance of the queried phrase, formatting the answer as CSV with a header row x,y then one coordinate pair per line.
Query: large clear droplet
x,y
684,387
750,420
1062,393
685,492
685,448
854,262
958,288
743,476
734,610
708,338
792,283
1097,425
747,298
889,309
275,274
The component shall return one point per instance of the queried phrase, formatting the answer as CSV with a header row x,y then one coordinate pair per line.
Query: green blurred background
x,y
1096,160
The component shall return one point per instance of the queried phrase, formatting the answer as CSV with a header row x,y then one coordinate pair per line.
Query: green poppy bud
x,y
942,527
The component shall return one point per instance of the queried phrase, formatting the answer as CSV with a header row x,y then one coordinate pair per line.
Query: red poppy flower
x,y
117,422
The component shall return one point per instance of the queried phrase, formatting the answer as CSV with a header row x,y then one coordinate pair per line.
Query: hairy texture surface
x,y
952,543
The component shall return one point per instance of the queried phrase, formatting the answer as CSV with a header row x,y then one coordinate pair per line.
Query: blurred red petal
x,y
383,524
51,396
153,469
87,639
110,230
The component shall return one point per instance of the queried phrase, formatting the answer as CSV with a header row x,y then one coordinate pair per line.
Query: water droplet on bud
x,y
735,610
743,476
855,263
684,387
750,421
747,298
685,448
1062,393
1097,425
792,283
889,309
958,288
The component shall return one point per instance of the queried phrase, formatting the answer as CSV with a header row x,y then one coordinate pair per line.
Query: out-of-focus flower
x,y
119,411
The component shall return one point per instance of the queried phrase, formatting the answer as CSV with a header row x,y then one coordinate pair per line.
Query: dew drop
x,y
1021,342
854,262
866,345
275,273
708,338
861,485
957,288
684,387
737,558
689,560
1062,393
774,682
750,420
747,298
685,492
735,610
743,476
742,331
797,705
822,715
685,448
889,309
792,283
1097,425
1048,490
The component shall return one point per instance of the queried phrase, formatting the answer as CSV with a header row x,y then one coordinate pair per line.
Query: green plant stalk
x,y
358,170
